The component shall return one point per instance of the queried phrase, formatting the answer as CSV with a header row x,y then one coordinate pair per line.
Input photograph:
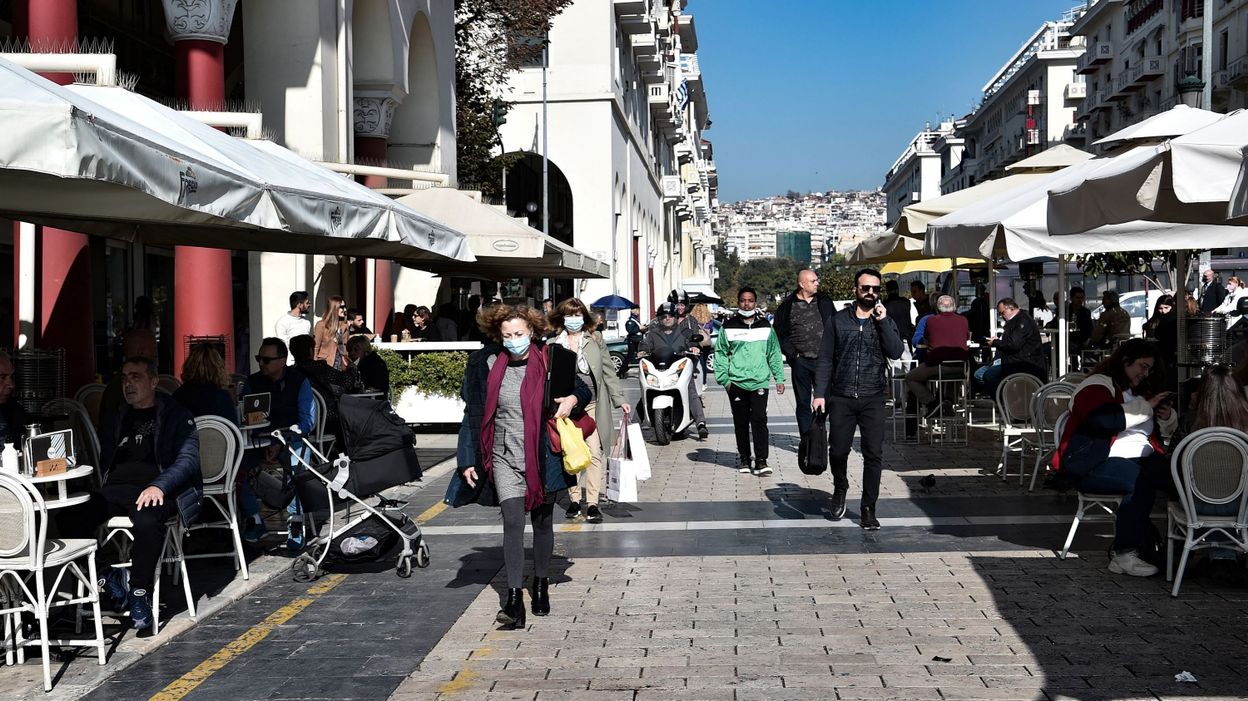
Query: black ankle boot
x,y
512,613
541,596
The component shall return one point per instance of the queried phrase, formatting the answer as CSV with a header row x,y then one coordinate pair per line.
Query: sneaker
x,y
593,514
743,465
255,532
702,432
1129,562
760,468
838,506
116,586
573,511
868,520
140,609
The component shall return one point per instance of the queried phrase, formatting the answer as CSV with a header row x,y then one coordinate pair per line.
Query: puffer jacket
x,y
853,357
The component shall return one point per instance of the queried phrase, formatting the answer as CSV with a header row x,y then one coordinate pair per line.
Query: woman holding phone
x,y
1113,444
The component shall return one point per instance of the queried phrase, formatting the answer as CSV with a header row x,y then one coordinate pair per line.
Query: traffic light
x,y
498,116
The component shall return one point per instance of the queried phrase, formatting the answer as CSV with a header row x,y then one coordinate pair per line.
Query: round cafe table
x,y
254,436
62,497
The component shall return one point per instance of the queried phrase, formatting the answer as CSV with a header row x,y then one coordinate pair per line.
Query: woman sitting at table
x,y
1235,291
1113,444
204,380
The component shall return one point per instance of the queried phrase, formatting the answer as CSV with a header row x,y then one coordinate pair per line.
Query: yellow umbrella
x,y
928,265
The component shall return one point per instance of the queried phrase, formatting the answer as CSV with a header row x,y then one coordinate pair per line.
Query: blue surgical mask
x,y
517,346
573,323
746,314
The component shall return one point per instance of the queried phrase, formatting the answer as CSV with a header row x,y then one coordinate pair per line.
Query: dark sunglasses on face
x,y
264,359
869,288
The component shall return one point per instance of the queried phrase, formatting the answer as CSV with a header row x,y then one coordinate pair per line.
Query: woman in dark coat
x,y
504,454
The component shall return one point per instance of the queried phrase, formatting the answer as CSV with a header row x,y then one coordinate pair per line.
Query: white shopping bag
x,y
622,471
636,447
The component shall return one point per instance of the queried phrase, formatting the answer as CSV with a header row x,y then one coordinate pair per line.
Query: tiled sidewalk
x,y
886,626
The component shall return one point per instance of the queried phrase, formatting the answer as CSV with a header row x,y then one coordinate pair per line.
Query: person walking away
x,y
633,335
503,455
702,315
946,334
1114,323
1212,294
294,322
150,473
576,330
799,328
899,309
1019,349
1113,445
850,384
330,334
204,381
666,338
748,356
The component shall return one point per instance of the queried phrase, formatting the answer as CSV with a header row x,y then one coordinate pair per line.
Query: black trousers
x,y
83,520
867,415
803,371
630,356
749,416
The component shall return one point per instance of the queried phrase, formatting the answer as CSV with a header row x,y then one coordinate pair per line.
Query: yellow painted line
x,y
192,679
428,514
572,528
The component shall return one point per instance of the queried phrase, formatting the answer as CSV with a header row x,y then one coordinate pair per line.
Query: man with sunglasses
x,y
290,404
858,343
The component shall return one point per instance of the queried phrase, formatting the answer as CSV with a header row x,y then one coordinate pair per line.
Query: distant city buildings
x,y
808,228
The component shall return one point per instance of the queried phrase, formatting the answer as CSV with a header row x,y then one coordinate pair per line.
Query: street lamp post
x,y
545,157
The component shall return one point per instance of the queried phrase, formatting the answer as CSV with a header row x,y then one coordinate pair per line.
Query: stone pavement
x,y
717,585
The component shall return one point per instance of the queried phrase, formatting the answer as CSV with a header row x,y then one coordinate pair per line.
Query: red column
x,y
637,275
203,297
65,309
371,150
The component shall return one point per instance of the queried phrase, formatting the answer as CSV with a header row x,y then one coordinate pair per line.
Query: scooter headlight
x,y
652,381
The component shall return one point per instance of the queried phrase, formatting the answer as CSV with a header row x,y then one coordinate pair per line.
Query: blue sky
x,y
825,94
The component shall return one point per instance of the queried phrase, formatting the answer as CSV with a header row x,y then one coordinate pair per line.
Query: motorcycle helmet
x,y
666,309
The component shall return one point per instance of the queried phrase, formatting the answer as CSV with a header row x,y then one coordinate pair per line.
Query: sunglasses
x,y
264,359
869,288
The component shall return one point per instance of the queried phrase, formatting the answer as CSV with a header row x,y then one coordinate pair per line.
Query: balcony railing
x,y
1121,88
1075,91
1149,68
1095,55
1237,71
631,7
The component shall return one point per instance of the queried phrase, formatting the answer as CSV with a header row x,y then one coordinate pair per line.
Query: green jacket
x,y
748,355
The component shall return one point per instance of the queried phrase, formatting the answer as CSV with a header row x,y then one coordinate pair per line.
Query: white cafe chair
x,y
1210,470
1014,415
220,455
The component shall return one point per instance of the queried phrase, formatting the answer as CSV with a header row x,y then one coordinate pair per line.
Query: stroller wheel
x,y
404,567
304,569
422,556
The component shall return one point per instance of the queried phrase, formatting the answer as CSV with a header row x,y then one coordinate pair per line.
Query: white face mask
x,y
745,313
573,323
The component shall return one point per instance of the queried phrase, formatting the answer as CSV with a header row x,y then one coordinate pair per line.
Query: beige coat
x,y
609,394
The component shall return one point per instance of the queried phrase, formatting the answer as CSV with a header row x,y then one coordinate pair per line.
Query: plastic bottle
x,y
8,459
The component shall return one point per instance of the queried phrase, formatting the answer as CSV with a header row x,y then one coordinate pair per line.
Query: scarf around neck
x,y
532,400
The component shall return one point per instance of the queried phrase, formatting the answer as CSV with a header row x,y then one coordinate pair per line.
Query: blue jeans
x,y
1138,480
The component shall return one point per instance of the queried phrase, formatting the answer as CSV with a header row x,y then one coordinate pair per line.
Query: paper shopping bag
x,y
637,452
621,471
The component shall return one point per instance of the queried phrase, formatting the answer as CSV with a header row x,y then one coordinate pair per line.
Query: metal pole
x,y
1063,323
545,159
1206,57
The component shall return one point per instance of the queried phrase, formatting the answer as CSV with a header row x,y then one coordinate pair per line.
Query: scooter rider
x,y
666,337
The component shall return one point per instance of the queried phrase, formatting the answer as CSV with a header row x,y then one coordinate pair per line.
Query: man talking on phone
x,y
850,385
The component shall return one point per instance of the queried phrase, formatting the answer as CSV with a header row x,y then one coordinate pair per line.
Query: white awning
x,y
504,247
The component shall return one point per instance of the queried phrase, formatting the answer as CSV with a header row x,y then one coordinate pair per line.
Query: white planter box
x,y
419,408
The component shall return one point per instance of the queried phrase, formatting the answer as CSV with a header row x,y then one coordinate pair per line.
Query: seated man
x,y
12,415
149,473
946,334
1114,322
1018,350
290,404
373,372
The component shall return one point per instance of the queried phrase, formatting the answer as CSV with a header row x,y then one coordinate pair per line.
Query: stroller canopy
x,y
371,428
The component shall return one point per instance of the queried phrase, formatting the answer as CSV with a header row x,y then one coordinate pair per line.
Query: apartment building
x,y
632,181
1145,56
1027,106
915,175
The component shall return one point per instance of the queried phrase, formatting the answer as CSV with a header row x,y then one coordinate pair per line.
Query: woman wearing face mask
x,y
504,454
1113,445
574,329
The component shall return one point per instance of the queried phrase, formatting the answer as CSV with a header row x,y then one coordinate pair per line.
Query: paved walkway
x,y
717,585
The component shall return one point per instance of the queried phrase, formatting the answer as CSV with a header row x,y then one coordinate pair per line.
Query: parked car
x,y
1138,304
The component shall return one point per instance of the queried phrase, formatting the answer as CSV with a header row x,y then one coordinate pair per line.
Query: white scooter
x,y
665,394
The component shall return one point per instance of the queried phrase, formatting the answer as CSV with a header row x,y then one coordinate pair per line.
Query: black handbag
x,y
815,446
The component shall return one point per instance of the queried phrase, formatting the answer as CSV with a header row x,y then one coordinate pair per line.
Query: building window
x,y
1191,9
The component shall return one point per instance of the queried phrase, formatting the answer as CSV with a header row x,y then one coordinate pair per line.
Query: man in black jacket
x,y
1212,293
799,326
373,372
150,473
632,329
850,382
1018,350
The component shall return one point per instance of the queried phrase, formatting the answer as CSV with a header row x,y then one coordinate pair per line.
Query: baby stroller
x,y
379,455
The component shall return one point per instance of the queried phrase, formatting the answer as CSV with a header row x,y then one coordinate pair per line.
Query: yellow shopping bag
x,y
576,455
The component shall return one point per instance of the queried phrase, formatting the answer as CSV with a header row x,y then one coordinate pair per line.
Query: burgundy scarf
x,y
532,400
